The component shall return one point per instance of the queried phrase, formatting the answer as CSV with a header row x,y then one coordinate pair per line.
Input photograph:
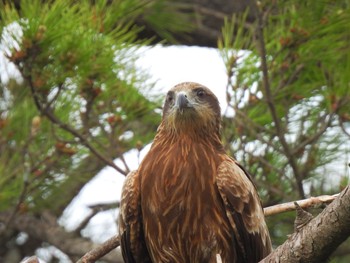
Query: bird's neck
x,y
188,138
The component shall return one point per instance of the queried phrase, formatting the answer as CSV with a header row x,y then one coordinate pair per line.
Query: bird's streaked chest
x,y
178,176
180,202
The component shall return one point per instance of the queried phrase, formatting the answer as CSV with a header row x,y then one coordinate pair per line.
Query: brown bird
x,y
189,201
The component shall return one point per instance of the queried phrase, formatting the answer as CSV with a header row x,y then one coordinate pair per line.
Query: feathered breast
x,y
181,206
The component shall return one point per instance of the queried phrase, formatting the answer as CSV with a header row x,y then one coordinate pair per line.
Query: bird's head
x,y
191,106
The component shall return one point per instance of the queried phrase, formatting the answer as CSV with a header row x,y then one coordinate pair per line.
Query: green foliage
x,y
75,96
308,59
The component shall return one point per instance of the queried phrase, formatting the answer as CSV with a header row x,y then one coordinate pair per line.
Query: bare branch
x,y
305,203
95,210
86,221
127,169
32,259
100,251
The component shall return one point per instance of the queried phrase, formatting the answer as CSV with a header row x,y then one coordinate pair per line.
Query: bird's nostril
x,y
182,101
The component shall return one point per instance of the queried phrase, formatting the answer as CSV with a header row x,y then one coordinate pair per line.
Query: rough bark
x,y
316,241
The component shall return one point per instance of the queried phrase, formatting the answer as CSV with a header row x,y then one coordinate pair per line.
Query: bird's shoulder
x,y
232,176
130,195
130,221
243,209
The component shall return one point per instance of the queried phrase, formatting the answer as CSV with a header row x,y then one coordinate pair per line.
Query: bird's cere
x,y
182,101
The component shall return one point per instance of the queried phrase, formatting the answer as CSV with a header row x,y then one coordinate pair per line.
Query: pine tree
x,y
72,101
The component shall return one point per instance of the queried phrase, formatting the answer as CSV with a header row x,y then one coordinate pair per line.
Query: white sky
x,y
168,66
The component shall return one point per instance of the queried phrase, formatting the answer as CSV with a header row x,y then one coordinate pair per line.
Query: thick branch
x,y
316,241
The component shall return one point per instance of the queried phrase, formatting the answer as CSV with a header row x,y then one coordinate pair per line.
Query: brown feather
x,y
189,201
130,222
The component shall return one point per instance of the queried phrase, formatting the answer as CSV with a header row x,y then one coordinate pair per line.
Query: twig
x,y
105,207
305,203
254,130
95,209
316,135
291,79
32,259
100,251
60,88
341,124
86,221
127,169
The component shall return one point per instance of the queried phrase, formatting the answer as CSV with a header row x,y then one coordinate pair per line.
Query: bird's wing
x,y
130,222
244,212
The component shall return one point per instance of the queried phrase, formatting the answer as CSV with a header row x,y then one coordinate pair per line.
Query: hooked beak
x,y
182,102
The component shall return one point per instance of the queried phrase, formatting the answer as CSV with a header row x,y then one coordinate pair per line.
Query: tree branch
x,y
95,209
310,140
46,111
305,203
316,241
270,102
100,251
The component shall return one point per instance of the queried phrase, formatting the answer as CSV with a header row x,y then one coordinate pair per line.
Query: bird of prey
x,y
189,201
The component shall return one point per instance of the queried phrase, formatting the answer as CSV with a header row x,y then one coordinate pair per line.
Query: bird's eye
x,y
200,93
170,97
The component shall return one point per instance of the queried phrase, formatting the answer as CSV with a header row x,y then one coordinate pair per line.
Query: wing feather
x,y
133,245
244,211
